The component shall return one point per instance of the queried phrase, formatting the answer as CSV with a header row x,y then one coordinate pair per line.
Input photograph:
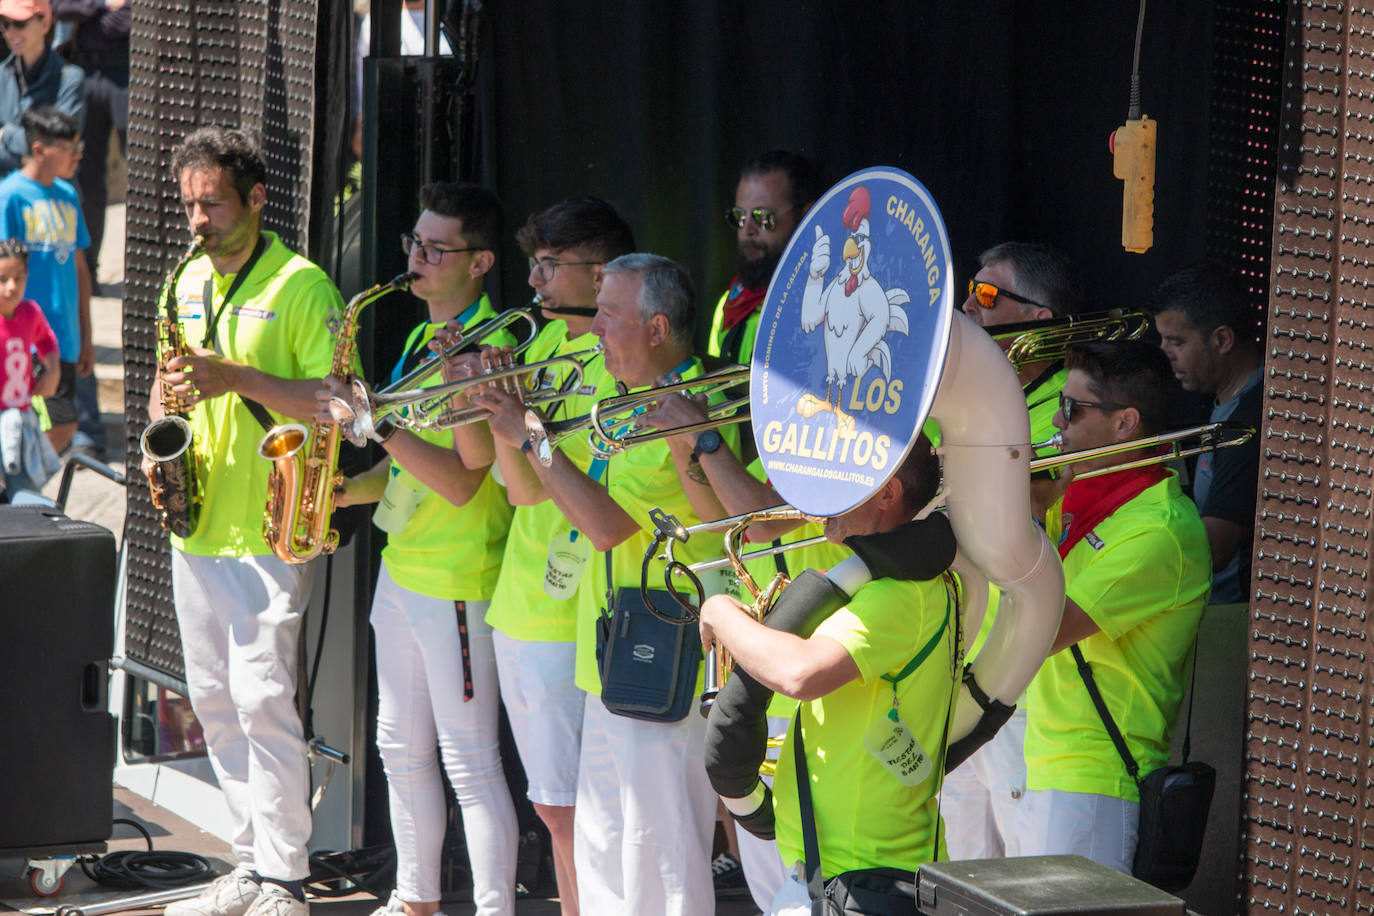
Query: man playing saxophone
x,y
447,519
255,318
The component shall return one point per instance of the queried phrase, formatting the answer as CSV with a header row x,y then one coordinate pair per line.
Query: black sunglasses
x,y
1067,405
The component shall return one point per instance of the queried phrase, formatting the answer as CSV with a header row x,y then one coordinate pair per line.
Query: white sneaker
x,y
227,895
276,900
392,907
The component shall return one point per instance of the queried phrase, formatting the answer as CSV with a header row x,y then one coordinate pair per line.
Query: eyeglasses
x,y
432,254
72,146
546,269
987,294
1067,405
763,217
7,24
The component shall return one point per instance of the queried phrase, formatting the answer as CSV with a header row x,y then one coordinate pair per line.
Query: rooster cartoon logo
x,y
856,311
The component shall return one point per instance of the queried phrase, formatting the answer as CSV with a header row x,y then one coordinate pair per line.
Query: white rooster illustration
x,y
858,313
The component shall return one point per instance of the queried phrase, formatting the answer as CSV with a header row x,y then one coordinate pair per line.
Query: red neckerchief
x,y
740,303
1088,502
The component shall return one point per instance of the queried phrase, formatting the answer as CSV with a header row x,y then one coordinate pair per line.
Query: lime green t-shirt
x,y
520,608
1142,575
866,817
716,341
1042,402
447,551
280,323
639,479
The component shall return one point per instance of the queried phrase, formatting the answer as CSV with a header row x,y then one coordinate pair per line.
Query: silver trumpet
x,y
359,414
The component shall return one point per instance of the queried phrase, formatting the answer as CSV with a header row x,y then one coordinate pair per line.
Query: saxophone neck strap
x,y
211,338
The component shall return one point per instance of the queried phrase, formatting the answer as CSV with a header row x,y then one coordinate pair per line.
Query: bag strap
x,y
1192,689
811,847
1085,671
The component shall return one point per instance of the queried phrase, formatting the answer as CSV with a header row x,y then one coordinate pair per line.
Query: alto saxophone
x,y
167,440
305,460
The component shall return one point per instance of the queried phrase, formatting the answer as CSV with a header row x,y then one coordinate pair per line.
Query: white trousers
x,y
240,620
979,799
544,707
1098,827
645,817
420,708
763,868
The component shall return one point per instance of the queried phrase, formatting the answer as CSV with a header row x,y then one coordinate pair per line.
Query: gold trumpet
x,y
612,423
358,417
1036,341
427,416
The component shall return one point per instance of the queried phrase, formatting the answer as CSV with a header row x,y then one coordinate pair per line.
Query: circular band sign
x,y
851,341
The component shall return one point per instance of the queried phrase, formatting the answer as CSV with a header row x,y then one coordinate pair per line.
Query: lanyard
x,y
212,327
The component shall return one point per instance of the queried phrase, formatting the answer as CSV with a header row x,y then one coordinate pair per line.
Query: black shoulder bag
x,y
1174,800
648,663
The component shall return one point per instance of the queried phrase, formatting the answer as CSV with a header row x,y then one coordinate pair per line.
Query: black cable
x,y
319,650
135,868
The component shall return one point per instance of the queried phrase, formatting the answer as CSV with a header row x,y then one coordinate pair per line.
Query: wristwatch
x,y
707,443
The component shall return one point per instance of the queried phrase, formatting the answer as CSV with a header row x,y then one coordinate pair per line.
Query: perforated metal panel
x,y
246,64
1309,844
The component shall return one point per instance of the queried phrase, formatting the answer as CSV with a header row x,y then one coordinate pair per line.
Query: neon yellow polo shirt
x,y
1043,403
639,479
447,551
1142,575
279,322
865,817
718,331
520,608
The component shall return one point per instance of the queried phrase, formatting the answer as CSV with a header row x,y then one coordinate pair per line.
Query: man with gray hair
x,y
645,811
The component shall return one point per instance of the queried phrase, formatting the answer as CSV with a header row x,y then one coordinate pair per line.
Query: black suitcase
x,y
57,591
1037,886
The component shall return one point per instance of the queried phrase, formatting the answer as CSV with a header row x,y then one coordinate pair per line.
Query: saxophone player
x,y
255,319
447,519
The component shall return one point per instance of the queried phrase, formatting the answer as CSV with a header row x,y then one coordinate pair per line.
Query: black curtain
x,y
1002,109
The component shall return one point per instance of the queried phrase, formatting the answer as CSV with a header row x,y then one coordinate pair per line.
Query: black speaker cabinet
x,y
57,589
1037,886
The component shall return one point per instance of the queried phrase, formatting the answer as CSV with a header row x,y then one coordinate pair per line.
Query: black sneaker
x,y
728,876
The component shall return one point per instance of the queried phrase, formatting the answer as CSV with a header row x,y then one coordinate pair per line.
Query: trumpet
x,y
358,417
1036,341
612,423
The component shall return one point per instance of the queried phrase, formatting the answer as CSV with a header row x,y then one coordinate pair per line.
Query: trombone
x,y
1035,341
612,423
1172,445
358,417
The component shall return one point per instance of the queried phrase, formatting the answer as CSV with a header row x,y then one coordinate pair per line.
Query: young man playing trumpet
x,y
533,613
446,520
644,810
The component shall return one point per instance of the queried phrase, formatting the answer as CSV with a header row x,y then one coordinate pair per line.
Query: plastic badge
x,y
894,746
568,556
399,502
